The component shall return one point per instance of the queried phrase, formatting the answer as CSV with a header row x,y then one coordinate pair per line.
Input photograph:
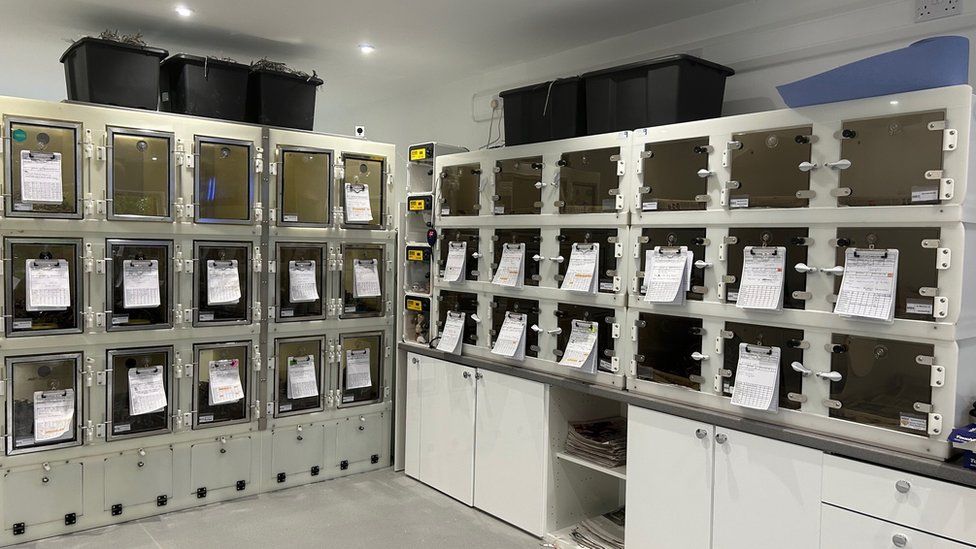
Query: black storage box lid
x,y
148,50
309,79
667,60
188,59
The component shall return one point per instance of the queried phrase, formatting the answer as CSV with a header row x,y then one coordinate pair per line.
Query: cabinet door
x,y
447,428
766,493
669,481
510,450
411,446
843,528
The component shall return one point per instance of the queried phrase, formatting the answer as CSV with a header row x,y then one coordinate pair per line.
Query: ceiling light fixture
x,y
183,11
892,102
366,48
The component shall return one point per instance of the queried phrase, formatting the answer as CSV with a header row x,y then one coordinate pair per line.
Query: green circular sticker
x,y
19,135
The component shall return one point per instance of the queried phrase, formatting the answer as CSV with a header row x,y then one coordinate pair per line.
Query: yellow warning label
x,y
418,154
415,255
417,205
415,305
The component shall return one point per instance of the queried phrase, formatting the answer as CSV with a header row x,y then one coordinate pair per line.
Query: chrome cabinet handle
x,y
899,540
841,164
803,268
830,376
721,438
466,375
479,375
701,434
800,368
903,486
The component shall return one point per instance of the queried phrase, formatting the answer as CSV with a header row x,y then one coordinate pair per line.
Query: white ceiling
x,y
418,42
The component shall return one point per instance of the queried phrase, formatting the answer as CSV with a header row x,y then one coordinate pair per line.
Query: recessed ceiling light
x,y
366,48
892,102
183,11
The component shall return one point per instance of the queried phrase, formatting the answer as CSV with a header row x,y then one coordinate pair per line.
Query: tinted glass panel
x,y
139,254
355,347
670,173
416,271
566,314
767,168
460,235
46,255
141,175
300,258
794,239
585,181
416,319
790,381
664,348
30,376
460,190
123,422
222,254
694,239
306,178
290,350
361,306
460,302
43,143
873,178
515,186
501,305
916,265
607,266
209,414
370,172
532,239
224,182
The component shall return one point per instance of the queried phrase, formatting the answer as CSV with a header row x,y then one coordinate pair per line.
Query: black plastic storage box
x,y
113,73
677,88
530,119
281,99
203,86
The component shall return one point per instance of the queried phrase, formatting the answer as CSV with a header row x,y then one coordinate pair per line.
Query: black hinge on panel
x,y
315,470
344,464
19,528
375,458
161,501
281,477
116,509
70,519
201,493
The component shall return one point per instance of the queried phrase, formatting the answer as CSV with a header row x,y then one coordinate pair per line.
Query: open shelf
x,y
618,472
562,539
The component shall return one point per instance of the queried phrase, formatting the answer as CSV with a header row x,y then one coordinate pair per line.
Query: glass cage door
x,y
518,186
363,280
607,262
460,190
139,284
453,237
791,345
304,187
500,306
361,369
300,377
692,238
416,271
301,288
667,347
670,172
225,366
771,168
363,174
222,283
44,286
565,315
43,168
460,302
141,183
883,382
532,238
416,319
794,239
588,181
43,404
224,189
140,392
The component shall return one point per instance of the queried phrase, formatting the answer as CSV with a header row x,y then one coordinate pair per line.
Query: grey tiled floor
x,y
382,509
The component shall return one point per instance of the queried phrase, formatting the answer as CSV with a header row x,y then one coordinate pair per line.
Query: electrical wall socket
x,y
927,10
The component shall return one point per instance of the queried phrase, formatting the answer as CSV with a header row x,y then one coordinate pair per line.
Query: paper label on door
x,y
763,276
737,202
40,177
868,287
757,378
457,253
580,352
302,283
649,206
925,193
366,278
48,285
54,413
289,218
140,284
511,337
147,393
358,369
581,274
913,422
358,209
919,307
450,334
223,282
667,274
301,377
511,266
225,382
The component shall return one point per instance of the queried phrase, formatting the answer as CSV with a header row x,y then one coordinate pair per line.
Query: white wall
x,y
768,42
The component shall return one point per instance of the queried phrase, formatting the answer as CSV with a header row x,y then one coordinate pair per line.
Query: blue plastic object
x,y
930,63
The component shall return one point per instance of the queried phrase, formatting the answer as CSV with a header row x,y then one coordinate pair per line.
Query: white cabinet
x,y
696,486
843,528
479,437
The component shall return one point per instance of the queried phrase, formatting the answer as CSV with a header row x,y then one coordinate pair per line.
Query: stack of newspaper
x,y
603,532
602,441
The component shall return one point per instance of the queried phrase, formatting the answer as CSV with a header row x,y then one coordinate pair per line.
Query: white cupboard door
x,y
766,493
447,428
411,446
669,481
849,530
511,450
